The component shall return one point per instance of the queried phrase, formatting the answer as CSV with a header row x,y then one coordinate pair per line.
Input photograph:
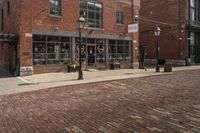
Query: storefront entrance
x,y
91,55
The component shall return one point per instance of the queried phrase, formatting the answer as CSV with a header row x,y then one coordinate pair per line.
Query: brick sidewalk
x,y
168,103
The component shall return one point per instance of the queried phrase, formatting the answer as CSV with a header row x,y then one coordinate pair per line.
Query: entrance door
x,y
91,55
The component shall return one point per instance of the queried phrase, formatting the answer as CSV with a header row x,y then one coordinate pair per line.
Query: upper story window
x,y
194,11
93,13
8,8
2,19
119,17
192,3
55,7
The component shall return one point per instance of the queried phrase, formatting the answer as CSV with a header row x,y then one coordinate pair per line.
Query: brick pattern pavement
x,y
166,104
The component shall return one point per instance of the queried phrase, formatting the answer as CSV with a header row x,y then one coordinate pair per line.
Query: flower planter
x,y
114,66
72,68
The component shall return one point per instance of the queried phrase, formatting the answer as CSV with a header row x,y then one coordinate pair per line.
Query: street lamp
x,y
81,23
157,34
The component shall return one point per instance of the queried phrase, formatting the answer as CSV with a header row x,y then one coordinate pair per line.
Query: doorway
x,y
91,55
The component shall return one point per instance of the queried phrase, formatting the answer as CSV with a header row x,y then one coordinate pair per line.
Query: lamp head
x,y
81,19
157,31
82,22
136,17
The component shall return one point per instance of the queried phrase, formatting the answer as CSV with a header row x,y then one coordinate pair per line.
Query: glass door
x,y
91,52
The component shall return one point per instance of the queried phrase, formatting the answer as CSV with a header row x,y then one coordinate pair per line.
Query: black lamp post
x,y
157,34
81,24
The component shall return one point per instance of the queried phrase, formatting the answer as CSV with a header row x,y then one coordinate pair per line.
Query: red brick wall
x,y
70,13
12,21
167,11
11,25
35,15
26,33
4,58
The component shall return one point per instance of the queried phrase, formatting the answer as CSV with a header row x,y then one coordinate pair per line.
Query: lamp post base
x,y
80,75
157,68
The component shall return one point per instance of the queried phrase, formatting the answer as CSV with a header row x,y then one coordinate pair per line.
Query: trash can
x,y
142,52
167,67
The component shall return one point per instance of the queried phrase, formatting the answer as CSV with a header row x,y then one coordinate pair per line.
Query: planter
x,y
168,68
72,68
114,66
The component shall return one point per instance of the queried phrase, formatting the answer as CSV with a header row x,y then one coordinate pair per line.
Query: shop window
x,y
53,53
52,39
92,11
100,51
39,38
65,54
51,50
55,7
39,53
83,49
91,41
119,50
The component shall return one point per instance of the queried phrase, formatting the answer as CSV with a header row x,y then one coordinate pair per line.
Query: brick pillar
x,y
26,51
135,36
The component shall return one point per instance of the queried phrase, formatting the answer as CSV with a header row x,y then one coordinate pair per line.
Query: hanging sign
x,y
133,28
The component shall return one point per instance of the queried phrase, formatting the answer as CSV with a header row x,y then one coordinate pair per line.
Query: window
x,y
8,8
100,51
194,48
2,19
119,17
195,12
83,49
192,15
93,13
192,3
55,7
119,50
51,50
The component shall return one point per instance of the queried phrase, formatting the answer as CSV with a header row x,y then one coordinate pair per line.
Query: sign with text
x,y
132,28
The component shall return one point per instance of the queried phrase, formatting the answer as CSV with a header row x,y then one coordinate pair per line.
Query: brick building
x,y
47,34
179,21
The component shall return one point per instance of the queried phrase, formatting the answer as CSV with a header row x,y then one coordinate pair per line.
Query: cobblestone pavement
x,y
166,104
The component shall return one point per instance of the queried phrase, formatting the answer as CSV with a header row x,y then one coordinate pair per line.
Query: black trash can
x,y
142,53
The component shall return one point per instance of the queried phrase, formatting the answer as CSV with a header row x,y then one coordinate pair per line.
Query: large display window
x,y
51,50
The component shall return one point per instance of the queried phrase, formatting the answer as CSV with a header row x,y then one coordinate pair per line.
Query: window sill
x,y
56,16
90,28
119,24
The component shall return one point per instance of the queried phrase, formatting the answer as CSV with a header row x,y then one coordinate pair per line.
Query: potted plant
x,y
115,65
73,66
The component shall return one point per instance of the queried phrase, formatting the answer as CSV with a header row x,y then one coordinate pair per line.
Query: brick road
x,y
168,104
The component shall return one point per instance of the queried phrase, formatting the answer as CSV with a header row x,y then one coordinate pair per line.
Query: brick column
x,y
135,36
26,51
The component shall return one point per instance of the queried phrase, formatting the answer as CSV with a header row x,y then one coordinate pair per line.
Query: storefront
x,y
194,47
96,52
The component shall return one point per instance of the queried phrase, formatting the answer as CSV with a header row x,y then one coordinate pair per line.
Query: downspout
x,y
179,28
